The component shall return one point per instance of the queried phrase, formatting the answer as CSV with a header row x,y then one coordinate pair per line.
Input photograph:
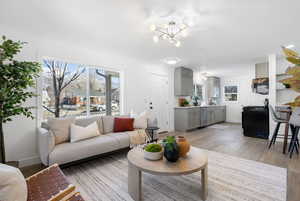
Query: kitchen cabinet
x,y
187,118
183,81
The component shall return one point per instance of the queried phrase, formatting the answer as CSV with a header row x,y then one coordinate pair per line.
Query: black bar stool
x,y
295,126
279,121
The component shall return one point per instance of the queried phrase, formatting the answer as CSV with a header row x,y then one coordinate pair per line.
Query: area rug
x,y
229,179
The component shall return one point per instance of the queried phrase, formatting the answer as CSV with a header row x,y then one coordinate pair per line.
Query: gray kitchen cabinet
x,y
183,81
203,117
187,118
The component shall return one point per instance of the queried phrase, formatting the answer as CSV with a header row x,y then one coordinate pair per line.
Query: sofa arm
x,y
46,144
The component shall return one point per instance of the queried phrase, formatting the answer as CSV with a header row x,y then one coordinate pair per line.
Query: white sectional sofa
x,y
67,152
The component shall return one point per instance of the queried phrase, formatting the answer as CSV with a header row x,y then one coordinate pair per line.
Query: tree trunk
x,y
57,102
2,149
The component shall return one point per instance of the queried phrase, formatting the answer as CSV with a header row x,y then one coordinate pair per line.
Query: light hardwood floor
x,y
230,140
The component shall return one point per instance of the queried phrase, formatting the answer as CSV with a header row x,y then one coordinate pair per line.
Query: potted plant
x,y
153,152
16,83
171,149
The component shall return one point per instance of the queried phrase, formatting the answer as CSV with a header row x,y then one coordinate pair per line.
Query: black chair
x,y
279,121
295,126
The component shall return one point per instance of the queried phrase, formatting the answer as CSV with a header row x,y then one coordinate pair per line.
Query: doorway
x,y
158,100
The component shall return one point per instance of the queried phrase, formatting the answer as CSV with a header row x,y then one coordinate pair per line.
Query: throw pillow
x,y
12,184
80,133
123,124
140,121
108,124
61,129
85,121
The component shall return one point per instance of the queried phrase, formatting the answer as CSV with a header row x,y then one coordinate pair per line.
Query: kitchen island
x,y
192,117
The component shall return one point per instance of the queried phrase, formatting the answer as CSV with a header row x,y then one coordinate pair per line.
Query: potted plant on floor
x,y
153,152
17,78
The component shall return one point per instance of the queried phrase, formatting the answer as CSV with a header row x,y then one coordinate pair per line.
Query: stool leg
x,y
274,135
294,144
292,139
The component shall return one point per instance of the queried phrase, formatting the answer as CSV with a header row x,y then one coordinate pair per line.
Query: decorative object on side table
x,y
153,152
184,146
150,133
171,149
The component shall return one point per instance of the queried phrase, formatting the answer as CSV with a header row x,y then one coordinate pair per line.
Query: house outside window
x,y
79,90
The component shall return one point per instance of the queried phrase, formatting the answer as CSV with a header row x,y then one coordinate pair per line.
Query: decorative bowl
x,y
153,156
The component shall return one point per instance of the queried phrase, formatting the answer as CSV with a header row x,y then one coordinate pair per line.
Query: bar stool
x,y
279,121
295,125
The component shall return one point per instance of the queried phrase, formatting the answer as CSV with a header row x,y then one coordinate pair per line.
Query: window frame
x,y
39,89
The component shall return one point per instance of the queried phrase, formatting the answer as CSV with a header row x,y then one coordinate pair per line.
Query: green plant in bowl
x,y
153,152
153,148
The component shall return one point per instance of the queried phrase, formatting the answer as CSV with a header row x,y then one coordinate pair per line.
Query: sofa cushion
x,y
68,152
84,122
123,124
12,184
108,124
60,128
122,138
80,133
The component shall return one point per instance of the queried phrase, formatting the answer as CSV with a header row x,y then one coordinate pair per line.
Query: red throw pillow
x,y
123,124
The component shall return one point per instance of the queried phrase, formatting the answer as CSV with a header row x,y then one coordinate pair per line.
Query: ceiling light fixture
x,y
171,60
290,46
170,32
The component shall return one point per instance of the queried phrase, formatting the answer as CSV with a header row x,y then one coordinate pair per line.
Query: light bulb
x,y
182,26
155,39
177,44
152,27
184,33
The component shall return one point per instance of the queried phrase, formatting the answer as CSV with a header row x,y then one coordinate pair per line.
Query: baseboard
x,y
29,161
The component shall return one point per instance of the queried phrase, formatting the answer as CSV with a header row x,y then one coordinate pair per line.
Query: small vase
x,y
172,154
184,146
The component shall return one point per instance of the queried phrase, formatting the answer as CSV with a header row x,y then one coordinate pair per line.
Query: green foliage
x,y
185,103
16,79
153,148
169,142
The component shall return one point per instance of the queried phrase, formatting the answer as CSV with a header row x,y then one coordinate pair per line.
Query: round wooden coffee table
x,y
195,161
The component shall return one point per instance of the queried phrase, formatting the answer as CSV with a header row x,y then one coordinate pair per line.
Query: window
x,y
78,90
230,93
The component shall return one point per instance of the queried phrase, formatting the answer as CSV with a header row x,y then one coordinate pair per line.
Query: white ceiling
x,y
225,31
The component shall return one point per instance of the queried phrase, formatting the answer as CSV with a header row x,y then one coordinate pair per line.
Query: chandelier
x,y
170,32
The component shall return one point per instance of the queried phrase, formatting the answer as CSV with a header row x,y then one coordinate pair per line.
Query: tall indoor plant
x,y
293,81
16,79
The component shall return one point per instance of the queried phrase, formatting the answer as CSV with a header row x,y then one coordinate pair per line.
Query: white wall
x,y
245,95
20,134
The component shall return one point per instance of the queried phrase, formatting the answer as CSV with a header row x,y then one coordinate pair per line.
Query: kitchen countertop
x,y
187,107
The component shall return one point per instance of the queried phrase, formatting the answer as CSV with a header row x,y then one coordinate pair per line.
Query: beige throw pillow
x,y
12,184
108,124
140,121
85,121
80,133
61,129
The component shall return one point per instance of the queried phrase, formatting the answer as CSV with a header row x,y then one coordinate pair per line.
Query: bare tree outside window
x,y
79,90
62,75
